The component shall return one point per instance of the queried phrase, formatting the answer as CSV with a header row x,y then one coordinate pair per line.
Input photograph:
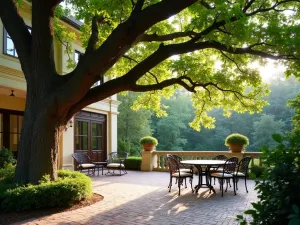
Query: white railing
x,y
160,162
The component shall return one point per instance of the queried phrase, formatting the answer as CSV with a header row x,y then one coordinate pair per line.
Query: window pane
x,y
10,48
21,118
81,128
76,57
96,143
13,124
81,143
13,142
96,129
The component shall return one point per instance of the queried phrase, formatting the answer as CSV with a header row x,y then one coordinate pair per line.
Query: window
x,y
9,47
8,44
77,56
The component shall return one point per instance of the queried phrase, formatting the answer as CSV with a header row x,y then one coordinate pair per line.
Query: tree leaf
x,y
277,138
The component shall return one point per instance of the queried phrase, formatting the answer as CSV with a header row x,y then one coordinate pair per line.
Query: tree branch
x,y
166,37
17,29
95,32
167,51
206,5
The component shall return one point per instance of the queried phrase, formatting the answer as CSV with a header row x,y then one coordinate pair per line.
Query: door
x,y
90,135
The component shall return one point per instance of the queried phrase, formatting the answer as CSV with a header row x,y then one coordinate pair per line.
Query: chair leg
x,y
191,182
180,181
236,181
170,184
246,184
185,182
222,183
233,186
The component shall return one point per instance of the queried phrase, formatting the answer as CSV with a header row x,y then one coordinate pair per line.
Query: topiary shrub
x,y
236,138
148,140
6,157
69,188
278,190
133,163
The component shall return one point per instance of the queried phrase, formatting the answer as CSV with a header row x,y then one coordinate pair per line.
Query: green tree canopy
x,y
212,43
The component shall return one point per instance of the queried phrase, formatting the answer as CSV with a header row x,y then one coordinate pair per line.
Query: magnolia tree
x,y
213,44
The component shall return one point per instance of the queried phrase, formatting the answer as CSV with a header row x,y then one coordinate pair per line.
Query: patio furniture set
x,y
222,168
115,162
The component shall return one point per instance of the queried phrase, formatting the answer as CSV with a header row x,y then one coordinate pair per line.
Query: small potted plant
x,y
236,142
149,143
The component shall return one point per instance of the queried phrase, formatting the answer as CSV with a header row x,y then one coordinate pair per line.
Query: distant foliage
x,y
69,188
278,191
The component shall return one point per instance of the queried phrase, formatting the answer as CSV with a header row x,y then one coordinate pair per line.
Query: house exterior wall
x,y
12,78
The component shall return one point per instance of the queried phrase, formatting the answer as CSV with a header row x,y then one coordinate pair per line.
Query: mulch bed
x,y
13,217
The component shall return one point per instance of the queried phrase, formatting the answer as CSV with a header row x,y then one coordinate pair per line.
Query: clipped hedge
x,y
133,163
69,188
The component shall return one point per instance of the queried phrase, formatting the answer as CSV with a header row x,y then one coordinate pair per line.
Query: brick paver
x,y
143,198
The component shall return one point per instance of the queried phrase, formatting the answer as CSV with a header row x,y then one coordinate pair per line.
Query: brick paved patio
x,y
143,198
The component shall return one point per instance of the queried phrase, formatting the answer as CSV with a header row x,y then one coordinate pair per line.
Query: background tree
x,y
132,125
131,41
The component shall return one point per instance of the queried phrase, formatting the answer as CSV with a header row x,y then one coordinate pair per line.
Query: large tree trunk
x,y
38,146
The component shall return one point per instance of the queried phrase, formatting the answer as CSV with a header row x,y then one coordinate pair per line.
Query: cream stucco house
x,y
92,130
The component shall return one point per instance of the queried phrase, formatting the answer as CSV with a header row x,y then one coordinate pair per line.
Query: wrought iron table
x,y
100,165
207,164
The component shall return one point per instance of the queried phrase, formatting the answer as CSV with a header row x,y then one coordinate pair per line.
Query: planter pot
x,y
149,147
236,148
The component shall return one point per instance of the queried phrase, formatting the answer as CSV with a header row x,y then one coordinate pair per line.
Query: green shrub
x,y
6,157
278,191
7,173
236,138
69,188
257,170
148,140
133,163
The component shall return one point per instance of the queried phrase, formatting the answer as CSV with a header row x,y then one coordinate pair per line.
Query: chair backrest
x,y
172,164
230,165
244,165
81,158
117,157
221,157
176,157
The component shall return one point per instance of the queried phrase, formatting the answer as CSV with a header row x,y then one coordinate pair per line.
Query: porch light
x,y
12,93
69,124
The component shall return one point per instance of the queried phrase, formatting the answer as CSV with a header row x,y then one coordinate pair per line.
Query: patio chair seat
x,y
182,174
87,165
239,174
115,165
226,175
185,171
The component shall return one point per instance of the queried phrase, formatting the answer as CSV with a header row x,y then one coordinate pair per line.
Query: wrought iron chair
x,y
182,167
115,161
84,162
215,169
242,171
227,173
174,168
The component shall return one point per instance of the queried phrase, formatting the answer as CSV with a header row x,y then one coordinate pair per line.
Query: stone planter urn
x,y
148,143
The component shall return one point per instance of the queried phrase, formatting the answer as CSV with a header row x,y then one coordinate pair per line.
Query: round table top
x,y
203,162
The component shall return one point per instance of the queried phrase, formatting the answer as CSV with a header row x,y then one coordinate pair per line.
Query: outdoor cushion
x,y
185,170
221,175
87,165
115,165
182,174
239,174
